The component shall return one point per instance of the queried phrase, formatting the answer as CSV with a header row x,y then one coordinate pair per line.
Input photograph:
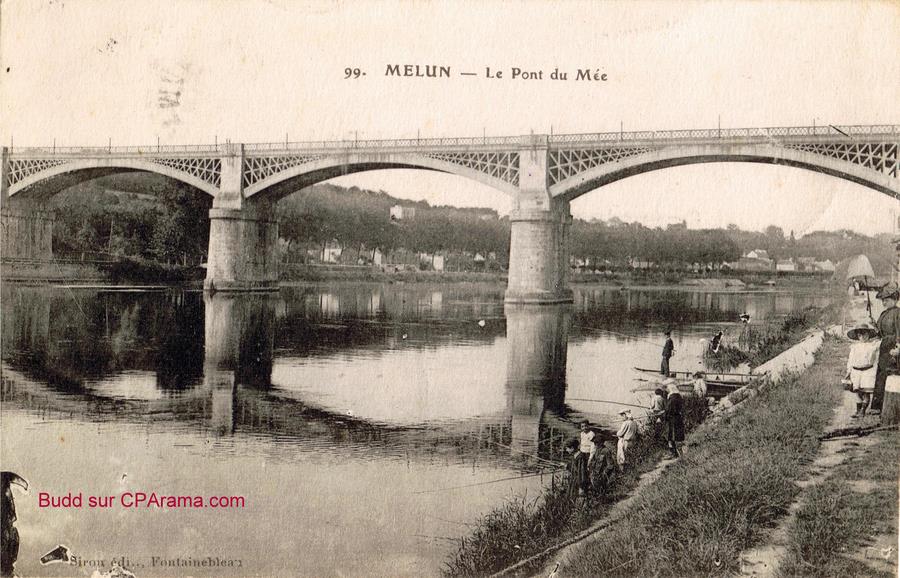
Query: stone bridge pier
x,y
538,251
243,236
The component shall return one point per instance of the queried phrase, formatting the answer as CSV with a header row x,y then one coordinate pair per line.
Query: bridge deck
x,y
829,133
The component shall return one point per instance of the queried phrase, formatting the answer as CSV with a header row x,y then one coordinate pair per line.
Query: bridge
x,y
541,173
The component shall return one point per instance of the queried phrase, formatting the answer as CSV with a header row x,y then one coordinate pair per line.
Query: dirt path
x,y
763,560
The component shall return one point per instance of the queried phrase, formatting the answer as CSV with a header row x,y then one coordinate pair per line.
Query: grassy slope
x,y
737,480
835,519
523,527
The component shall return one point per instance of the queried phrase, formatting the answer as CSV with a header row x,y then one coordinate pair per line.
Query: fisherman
x,y
9,549
862,364
716,342
579,476
657,405
604,467
667,352
889,331
586,442
674,418
627,432
700,384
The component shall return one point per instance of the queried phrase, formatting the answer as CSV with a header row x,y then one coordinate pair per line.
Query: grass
x,y
736,481
523,527
762,345
836,520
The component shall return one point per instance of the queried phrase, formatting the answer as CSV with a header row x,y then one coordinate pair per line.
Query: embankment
x,y
125,271
703,510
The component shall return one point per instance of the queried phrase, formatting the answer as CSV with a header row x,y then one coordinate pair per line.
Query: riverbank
x,y
523,529
519,530
736,480
137,271
125,271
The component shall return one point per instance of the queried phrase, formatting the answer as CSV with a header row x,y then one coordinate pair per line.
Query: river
x,y
364,425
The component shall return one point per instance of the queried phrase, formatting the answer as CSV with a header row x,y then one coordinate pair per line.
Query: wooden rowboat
x,y
718,379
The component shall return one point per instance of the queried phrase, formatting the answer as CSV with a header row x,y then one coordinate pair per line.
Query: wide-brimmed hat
x,y
889,291
862,328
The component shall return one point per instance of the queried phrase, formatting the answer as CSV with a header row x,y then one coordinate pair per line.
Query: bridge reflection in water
x,y
144,358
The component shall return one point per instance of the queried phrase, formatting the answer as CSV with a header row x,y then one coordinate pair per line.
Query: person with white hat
x,y
862,364
626,434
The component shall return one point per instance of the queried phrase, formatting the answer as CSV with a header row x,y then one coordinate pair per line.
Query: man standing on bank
x,y
889,330
674,417
667,353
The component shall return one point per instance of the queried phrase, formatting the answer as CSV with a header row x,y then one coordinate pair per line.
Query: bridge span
x,y
541,173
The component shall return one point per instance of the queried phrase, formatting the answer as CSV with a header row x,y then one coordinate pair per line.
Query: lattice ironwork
x,y
882,157
20,169
208,170
500,165
566,163
260,168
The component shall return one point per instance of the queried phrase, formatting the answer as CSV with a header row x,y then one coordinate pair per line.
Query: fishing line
x,y
627,336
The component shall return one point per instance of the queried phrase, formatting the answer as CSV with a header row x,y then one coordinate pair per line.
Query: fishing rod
x,y
604,401
485,483
538,458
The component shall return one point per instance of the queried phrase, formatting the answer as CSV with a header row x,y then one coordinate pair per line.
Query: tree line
x,y
152,217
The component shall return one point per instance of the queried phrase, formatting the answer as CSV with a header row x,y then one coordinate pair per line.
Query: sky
x,y
196,71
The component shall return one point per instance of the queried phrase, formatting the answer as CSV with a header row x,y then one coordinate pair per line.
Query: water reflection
x,y
341,390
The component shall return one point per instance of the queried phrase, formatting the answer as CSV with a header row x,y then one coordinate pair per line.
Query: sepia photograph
x,y
434,288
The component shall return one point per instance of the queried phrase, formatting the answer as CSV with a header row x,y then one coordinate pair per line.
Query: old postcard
x,y
387,288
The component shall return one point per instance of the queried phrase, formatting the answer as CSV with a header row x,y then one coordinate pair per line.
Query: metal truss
x,y
500,165
208,170
260,168
20,169
565,163
881,157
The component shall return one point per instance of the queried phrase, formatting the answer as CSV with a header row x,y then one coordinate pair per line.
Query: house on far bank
x,y
331,252
756,260
399,213
786,265
825,266
806,264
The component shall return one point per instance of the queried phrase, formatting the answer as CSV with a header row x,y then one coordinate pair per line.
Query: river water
x,y
364,426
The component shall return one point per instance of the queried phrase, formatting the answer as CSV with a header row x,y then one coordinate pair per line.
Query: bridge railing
x,y
119,150
846,131
392,143
730,133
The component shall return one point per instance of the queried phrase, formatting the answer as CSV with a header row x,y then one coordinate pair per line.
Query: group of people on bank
x,y
593,470
874,354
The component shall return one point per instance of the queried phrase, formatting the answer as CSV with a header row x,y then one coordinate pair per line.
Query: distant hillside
x,y
154,217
